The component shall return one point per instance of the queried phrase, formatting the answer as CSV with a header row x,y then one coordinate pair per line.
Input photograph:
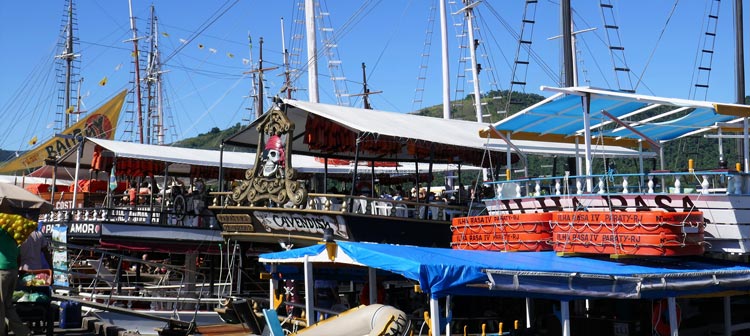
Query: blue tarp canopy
x,y
442,272
561,116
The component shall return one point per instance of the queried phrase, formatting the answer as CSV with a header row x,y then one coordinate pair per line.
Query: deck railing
x,y
667,182
369,206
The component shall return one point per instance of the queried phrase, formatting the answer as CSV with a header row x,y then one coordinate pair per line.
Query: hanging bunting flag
x,y
200,46
33,141
212,50
117,67
245,61
230,55
183,41
165,34
103,82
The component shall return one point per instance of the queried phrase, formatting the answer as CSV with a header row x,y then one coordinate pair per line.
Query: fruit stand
x,y
32,300
34,290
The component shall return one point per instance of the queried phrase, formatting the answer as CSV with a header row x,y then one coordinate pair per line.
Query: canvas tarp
x,y
442,272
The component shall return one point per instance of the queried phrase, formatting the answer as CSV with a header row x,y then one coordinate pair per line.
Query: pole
x,y
565,23
366,94
434,316
444,53
137,70
565,317
739,61
79,152
259,112
309,292
312,51
473,44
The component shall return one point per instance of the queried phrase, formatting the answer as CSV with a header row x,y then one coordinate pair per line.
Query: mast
x,y
137,70
444,53
740,78
366,91
312,51
287,77
68,56
153,83
473,44
259,112
566,23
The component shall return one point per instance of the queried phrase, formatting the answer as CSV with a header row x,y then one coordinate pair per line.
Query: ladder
x,y
521,60
67,66
616,50
417,101
706,56
462,36
331,52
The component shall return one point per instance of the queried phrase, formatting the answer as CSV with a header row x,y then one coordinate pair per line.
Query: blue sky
x,y
207,82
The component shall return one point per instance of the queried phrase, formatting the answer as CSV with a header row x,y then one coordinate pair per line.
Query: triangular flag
x,y
230,55
33,141
213,50
70,109
200,46
165,34
103,82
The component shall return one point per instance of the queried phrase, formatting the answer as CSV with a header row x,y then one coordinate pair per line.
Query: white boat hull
x,y
727,216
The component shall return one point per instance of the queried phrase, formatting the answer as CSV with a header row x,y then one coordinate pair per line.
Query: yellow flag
x,y
100,123
33,141
230,55
70,109
165,34
103,82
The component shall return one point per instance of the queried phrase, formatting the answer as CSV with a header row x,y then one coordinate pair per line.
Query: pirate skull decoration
x,y
273,157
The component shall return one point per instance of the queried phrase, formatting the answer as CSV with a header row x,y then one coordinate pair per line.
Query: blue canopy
x,y
562,116
442,272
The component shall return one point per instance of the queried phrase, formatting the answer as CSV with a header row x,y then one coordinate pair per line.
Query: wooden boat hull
x,y
303,227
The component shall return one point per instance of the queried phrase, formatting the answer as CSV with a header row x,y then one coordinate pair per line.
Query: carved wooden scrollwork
x,y
272,177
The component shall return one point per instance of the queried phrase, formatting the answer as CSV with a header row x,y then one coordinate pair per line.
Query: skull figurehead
x,y
273,157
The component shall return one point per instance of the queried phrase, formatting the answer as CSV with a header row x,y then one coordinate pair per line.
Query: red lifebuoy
x,y
660,317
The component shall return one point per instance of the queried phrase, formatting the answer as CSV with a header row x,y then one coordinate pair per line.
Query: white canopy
x,y
428,133
180,159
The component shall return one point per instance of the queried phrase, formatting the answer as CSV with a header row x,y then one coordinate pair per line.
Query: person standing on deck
x,y
8,276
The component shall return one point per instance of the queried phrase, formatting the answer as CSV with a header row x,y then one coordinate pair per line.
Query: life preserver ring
x,y
660,317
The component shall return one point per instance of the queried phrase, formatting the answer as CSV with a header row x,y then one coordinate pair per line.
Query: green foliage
x,y
210,140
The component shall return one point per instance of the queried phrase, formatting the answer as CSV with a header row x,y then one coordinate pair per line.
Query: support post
x,y
373,285
434,316
565,317
309,292
673,327
727,315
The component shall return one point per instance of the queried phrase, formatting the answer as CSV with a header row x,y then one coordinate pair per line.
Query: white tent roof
x,y
424,131
182,158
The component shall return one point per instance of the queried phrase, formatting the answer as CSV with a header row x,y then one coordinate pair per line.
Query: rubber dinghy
x,y
375,319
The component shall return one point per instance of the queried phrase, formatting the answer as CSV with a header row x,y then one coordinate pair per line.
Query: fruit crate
x,y
23,273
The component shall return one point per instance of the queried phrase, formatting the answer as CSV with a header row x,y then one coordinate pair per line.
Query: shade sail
x,y
448,140
561,116
442,272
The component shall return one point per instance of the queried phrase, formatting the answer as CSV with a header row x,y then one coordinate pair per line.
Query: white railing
x,y
703,182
